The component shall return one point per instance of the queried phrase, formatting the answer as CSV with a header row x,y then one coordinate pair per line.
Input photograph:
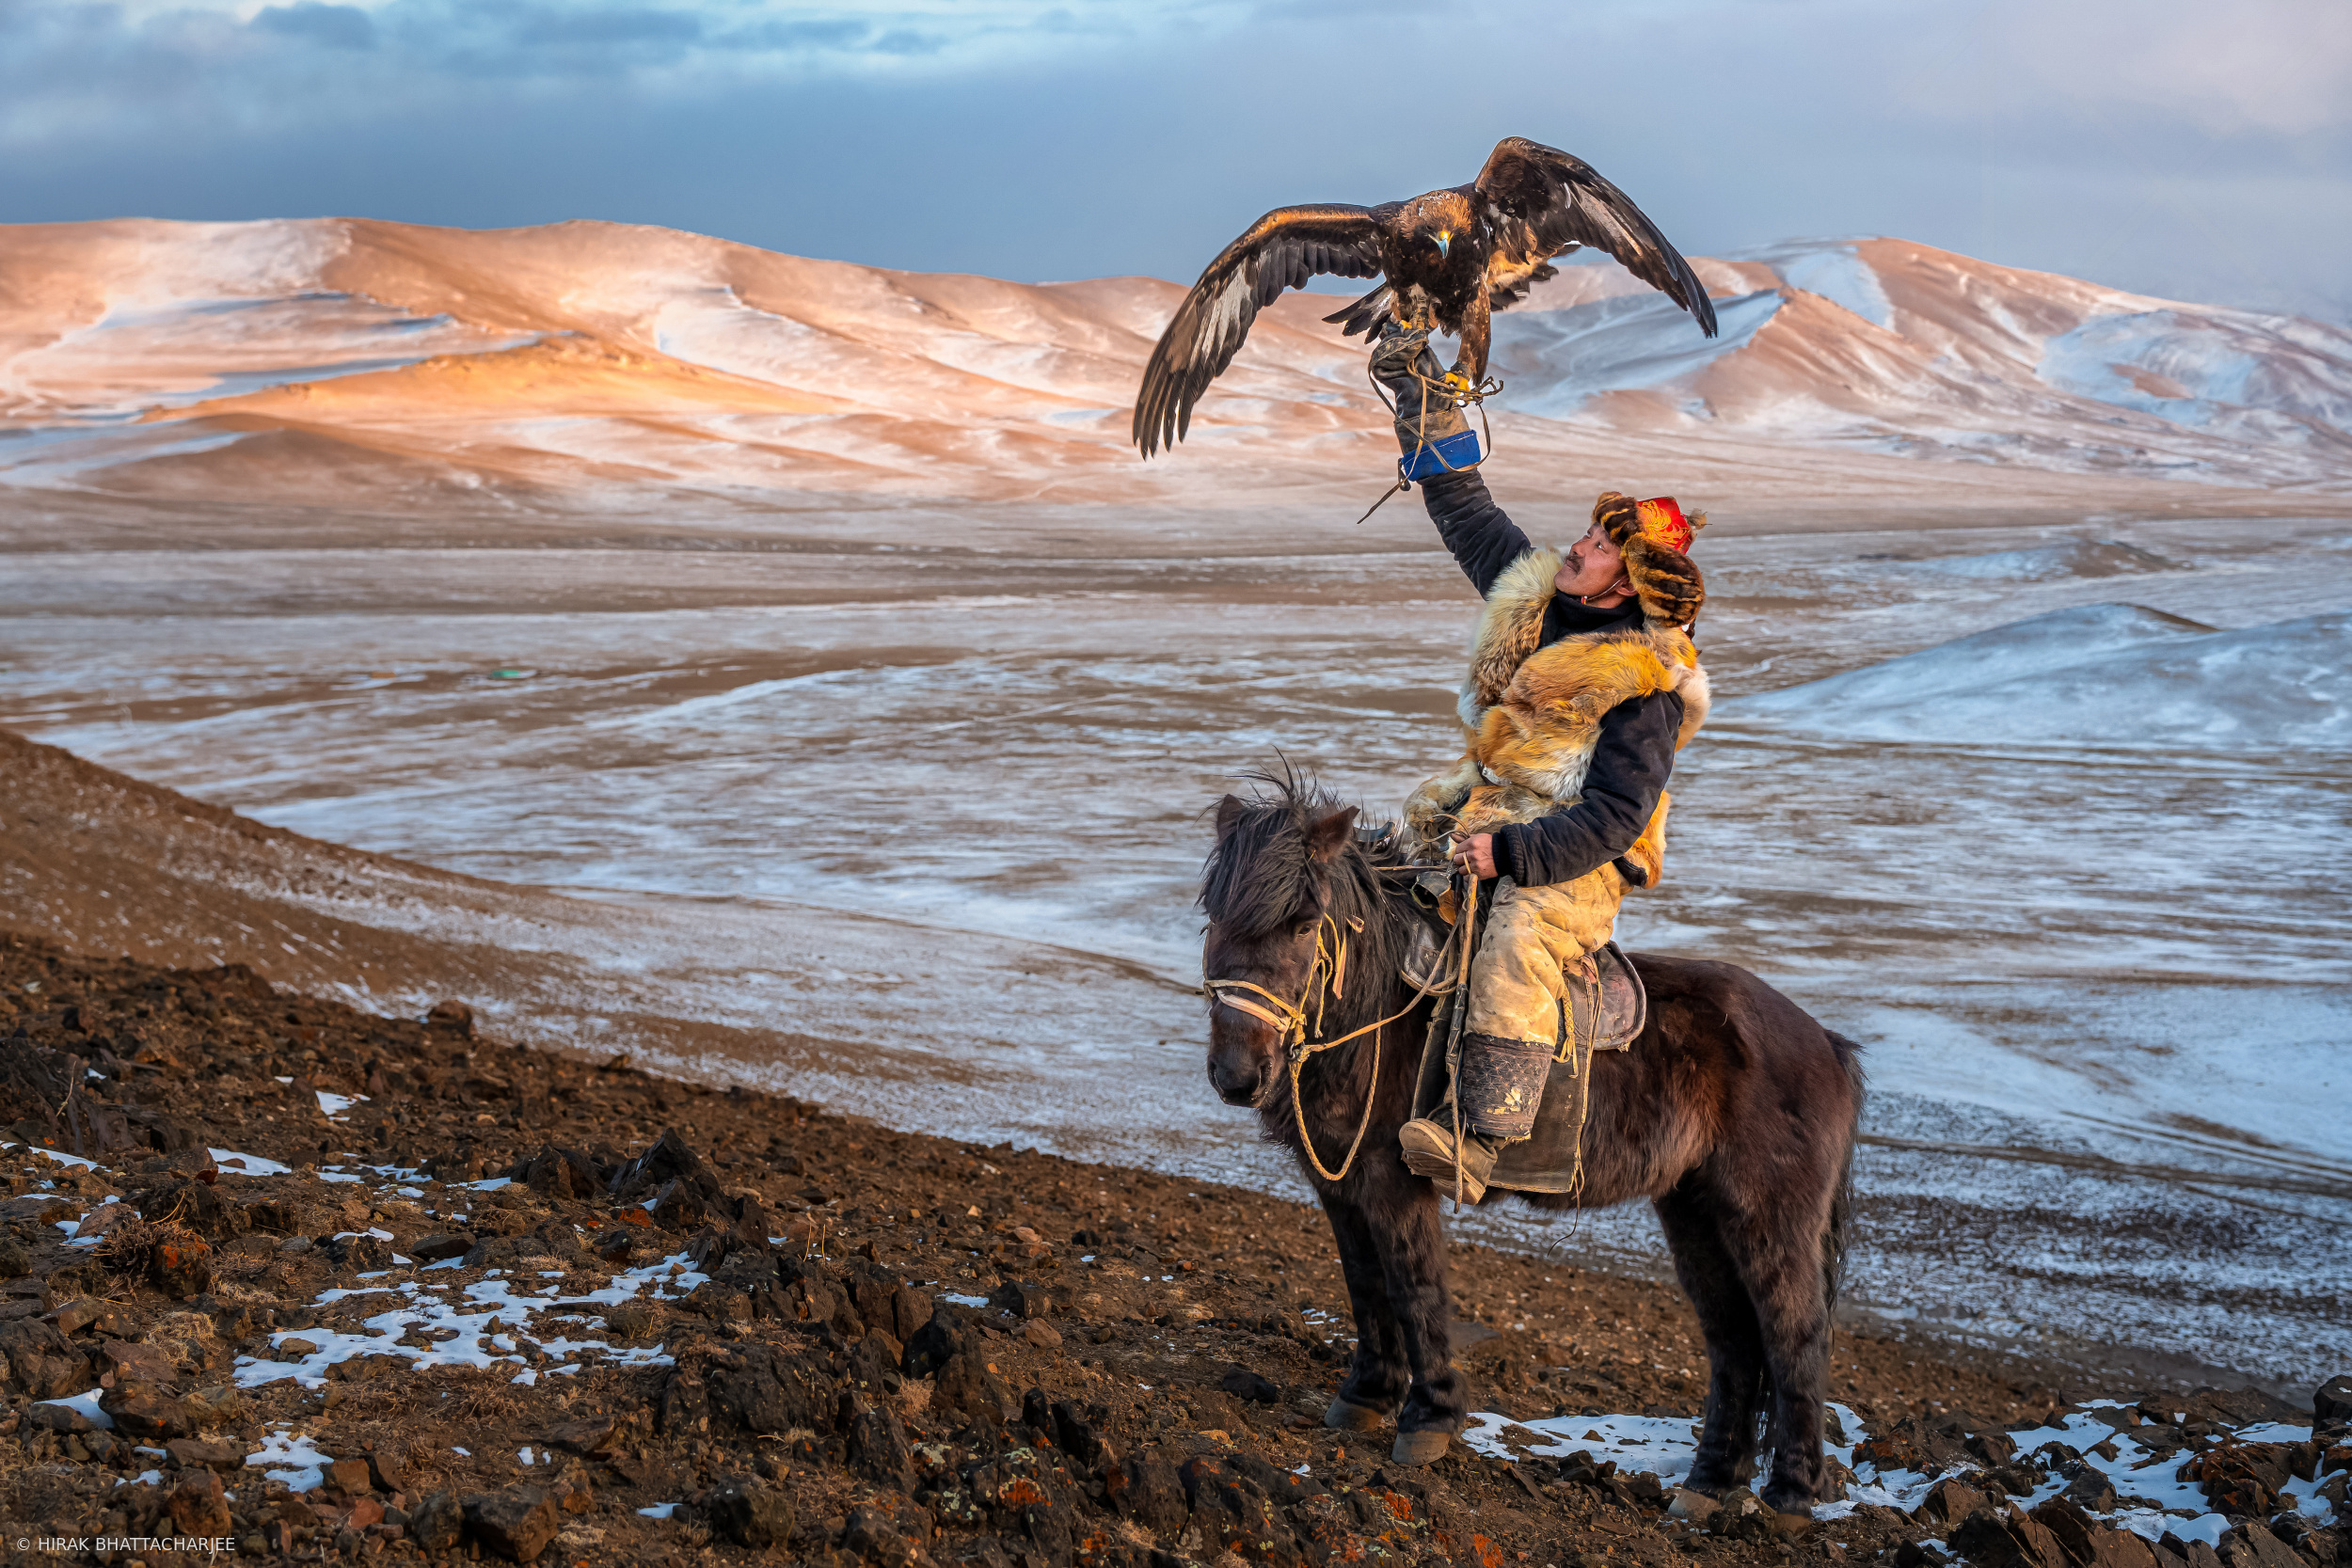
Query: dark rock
x,y
2331,1403
197,1453
2088,1542
180,1266
197,1505
910,1310
629,1319
1149,1491
668,1161
2091,1491
751,1514
1230,1508
2250,1546
759,1388
874,1363
1021,1299
1994,1448
60,1418
1244,1384
150,1412
936,1342
165,1134
360,1251
1077,1437
599,1434
386,1471
40,1361
677,1206
232,1321
517,1523
441,1244
1948,1502
2007,1539
876,1537
348,1477
2237,1407
965,1384
877,1445
2194,1553
437,1522
559,1172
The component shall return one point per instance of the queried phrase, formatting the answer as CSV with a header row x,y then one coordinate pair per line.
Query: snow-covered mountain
x,y
358,361
1890,346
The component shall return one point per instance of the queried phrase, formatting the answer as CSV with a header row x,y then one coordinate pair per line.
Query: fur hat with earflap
x,y
1653,536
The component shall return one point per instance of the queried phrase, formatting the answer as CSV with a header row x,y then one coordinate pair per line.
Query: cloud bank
x,y
2194,151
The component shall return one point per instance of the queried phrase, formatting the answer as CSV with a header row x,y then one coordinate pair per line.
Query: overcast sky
x,y
2200,149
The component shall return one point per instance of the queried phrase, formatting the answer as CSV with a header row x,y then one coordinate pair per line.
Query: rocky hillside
x,y
322,1283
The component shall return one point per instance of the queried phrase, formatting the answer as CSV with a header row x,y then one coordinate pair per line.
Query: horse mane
x,y
1259,881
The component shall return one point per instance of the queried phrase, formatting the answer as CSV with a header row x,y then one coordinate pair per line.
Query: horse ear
x,y
1227,813
1327,835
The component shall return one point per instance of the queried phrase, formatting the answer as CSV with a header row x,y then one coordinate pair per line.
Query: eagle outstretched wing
x,y
1543,201
1282,250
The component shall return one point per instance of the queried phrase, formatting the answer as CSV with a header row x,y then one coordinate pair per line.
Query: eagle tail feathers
x,y
1364,317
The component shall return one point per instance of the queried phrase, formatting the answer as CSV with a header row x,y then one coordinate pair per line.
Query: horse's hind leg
x,y
1779,1247
1378,1377
1735,1341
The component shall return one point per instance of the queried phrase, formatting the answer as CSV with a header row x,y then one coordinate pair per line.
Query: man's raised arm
x,y
1483,539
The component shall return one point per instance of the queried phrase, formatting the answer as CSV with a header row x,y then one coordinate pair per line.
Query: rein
x,y
1291,1021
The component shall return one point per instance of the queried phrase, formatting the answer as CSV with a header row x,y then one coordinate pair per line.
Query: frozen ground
x,y
917,832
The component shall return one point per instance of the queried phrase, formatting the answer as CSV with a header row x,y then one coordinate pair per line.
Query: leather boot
x,y
1427,1143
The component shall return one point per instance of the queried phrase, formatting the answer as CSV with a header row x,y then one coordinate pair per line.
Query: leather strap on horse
x,y
1291,1021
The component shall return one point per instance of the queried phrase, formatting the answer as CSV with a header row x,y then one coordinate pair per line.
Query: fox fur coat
x,y
1533,716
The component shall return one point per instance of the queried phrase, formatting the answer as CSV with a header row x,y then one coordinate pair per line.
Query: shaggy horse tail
x,y
1836,1239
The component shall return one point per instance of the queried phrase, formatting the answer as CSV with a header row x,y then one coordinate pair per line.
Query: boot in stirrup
x,y
1427,1143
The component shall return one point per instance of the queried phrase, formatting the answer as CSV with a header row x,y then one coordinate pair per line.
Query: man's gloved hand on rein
x,y
1426,412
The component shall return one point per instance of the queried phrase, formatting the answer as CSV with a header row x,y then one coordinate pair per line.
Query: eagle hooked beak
x,y
1445,242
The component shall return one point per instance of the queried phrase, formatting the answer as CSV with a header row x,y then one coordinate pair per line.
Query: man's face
x,y
1593,567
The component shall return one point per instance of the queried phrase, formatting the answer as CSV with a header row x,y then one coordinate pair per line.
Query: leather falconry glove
x,y
1426,412
1653,536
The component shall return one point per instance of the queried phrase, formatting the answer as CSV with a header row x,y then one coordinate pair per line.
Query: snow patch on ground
x,y
458,1326
2151,1500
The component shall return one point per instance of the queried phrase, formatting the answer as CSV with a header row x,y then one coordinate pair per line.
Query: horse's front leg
x,y
1400,1210
1380,1374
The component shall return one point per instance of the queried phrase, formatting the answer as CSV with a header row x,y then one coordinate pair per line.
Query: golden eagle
x,y
1452,255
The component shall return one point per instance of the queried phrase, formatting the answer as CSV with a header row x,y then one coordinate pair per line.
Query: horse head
x,y
1273,947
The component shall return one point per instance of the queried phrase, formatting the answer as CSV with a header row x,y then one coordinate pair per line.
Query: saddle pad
x,y
1624,1002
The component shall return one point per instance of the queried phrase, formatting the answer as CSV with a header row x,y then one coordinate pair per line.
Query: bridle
x,y
1289,1020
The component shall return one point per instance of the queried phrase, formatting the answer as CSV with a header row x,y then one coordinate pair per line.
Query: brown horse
x,y
1734,1114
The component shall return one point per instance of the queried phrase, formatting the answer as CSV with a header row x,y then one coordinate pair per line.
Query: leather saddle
x,y
1608,1004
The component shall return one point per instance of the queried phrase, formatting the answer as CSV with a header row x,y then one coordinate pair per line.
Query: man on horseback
x,y
1583,684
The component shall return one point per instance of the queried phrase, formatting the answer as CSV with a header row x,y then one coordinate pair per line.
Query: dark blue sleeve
x,y
1483,540
1631,762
